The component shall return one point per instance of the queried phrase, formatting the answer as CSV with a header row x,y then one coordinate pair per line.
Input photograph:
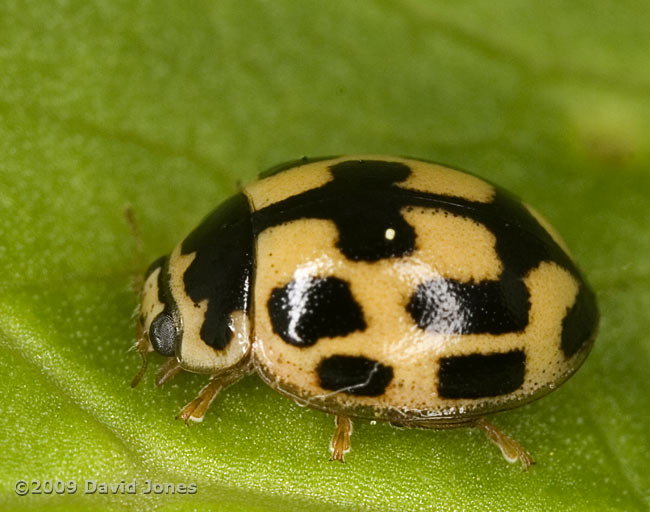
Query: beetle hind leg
x,y
511,449
340,444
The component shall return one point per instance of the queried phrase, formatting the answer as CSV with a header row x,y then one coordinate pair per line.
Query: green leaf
x,y
166,106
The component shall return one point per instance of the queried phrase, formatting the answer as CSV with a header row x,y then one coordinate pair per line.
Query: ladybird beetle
x,y
373,287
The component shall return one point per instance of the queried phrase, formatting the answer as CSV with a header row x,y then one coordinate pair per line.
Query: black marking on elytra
x,y
364,199
446,306
222,270
165,329
354,375
521,242
285,166
363,203
580,323
481,375
311,308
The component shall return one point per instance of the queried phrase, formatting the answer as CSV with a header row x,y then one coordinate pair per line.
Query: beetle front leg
x,y
197,408
511,449
167,371
340,444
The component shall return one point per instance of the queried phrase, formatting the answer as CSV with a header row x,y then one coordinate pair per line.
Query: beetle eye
x,y
162,334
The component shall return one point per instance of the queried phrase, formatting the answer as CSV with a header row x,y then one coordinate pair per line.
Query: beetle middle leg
x,y
340,444
511,449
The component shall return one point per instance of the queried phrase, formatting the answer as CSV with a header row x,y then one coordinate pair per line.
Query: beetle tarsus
x,y
340,444
511,449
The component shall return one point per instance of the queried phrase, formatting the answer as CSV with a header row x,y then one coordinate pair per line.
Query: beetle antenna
x,y
137,283
137,279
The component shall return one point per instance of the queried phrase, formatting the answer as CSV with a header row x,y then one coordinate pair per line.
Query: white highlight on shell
x,y
302,280
346,389
414,271
389,234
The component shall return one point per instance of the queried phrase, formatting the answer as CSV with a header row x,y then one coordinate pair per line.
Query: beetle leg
x,y
511,449
340,444
196,409
167,371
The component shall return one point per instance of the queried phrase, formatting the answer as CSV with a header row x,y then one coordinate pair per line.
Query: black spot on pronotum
x,y
447,306
222,270
481,375
311,308
354,375
580,323
163,334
